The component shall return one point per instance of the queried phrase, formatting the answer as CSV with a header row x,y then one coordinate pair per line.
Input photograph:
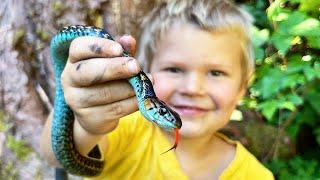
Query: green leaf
x,y
309,5
314,100
282,42
293,20
269,83
295,65
314,42
295,1
20,148
293,130
317,133
259,36
291,80
274,9
295,99
276,165
310,73
287,105
307,115
269,108
308,27
258,53
317,67
270,86
282,16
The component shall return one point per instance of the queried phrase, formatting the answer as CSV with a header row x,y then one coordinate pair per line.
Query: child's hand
x,y
94,82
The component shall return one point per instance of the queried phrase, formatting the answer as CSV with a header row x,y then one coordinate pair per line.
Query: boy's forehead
x,y
180,33
195,43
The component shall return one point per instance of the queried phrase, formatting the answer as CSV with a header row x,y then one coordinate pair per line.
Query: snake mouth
x,y
177,121
175,145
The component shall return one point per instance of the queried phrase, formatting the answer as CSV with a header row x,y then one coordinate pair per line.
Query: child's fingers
x,y
95,119
87,47
100,94
98,70
128,43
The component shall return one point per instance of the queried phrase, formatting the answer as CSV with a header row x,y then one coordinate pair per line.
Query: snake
x,y
62,142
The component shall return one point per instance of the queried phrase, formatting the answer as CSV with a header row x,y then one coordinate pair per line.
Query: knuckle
x,y
121,67
117,109
106,93
125,89
81,115
64,78
70,99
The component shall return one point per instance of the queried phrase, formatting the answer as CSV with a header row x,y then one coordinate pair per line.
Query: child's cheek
x,y
226,96
162,87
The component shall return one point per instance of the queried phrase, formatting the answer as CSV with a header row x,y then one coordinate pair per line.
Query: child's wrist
x,y
84,141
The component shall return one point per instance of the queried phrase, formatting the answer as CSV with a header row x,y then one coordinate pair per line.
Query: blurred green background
x,y
286,88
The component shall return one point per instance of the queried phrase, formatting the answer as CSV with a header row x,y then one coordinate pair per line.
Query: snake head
x,y
158,112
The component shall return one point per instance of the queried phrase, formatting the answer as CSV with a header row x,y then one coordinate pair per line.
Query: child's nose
x,y
193,84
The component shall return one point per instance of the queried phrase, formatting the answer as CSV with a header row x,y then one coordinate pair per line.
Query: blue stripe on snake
x,y
62,126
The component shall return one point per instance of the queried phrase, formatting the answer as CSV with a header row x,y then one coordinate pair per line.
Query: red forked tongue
x,y
176,131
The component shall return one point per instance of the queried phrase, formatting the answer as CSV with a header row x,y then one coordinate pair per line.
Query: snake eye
x,y
162,111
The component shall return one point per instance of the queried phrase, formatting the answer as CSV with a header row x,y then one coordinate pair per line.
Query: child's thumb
x,y
128,43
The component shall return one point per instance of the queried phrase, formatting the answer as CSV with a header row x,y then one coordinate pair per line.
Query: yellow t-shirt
x,y
134,149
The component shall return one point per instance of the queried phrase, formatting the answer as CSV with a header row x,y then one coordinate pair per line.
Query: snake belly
x,y
63,119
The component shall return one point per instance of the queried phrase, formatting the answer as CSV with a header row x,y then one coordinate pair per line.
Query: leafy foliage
x,y
296,169
8,171
286,89
20,148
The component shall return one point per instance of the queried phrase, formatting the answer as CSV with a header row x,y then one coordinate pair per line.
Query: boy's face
x,y
198,74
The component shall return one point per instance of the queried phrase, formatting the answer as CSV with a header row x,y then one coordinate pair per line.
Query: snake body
x,y
62,126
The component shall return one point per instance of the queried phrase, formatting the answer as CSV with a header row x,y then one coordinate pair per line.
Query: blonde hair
x,y
209,15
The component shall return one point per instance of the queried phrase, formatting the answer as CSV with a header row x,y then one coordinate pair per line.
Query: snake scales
x,y
62,127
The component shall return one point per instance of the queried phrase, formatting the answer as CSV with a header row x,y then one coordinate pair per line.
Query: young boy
x,y
200,58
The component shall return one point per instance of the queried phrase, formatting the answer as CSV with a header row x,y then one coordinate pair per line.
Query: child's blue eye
x,y
173,70
216,73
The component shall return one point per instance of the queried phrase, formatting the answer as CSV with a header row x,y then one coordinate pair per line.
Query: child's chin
x,y
189,130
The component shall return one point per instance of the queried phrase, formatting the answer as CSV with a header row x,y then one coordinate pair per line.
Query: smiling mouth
x,y
189,110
